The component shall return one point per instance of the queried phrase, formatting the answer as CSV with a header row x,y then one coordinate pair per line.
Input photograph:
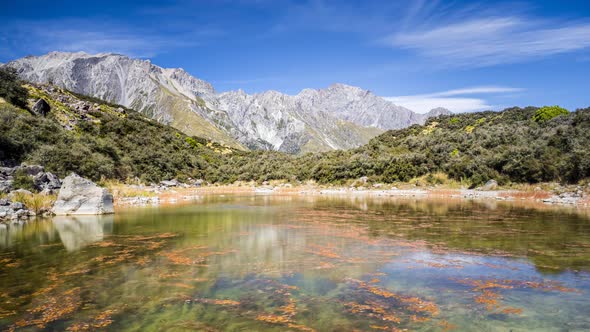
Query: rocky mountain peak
x,y
438,111
337,117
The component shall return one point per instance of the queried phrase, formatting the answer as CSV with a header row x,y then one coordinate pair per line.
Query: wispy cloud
x,y
454,100
489,41
94,36
445,33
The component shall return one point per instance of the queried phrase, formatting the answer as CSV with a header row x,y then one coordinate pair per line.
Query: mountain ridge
x,y
337,117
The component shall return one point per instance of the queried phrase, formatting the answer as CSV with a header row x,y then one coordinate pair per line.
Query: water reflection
x,y
302,264
77,232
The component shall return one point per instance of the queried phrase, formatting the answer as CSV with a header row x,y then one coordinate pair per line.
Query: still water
x,y
262,263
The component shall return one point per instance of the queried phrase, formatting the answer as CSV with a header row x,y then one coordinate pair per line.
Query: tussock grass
x,y
439,179
120,189
35,202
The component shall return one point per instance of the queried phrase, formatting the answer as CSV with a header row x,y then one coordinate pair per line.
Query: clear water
x,y
263,263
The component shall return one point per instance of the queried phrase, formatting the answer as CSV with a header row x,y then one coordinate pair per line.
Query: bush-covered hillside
x,y
508,146
100,140
106,141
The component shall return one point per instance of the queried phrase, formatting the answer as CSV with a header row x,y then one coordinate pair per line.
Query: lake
x,y
277,263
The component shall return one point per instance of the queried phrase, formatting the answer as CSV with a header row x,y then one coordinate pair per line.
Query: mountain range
x,y
337,117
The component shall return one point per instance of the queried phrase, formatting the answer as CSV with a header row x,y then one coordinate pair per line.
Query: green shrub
x,y
22,180
11,88
546,113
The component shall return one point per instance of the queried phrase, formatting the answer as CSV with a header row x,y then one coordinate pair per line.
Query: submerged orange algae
x,y
289,310
446,326
273,319
373,310
180,285
178,259
181,257
9,262
104,244
282,320
285,313
52,309
489,298
323,251
382,307
7,313
218,302
101,320
511,310
300,327
489,295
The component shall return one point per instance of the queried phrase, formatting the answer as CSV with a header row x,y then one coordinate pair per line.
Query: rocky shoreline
x,y
33,177
28,191
170,195
81,196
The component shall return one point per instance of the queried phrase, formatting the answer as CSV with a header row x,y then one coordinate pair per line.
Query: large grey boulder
x,y
41,107
82,196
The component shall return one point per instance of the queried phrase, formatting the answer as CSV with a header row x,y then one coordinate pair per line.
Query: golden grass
x,y
119,189
35,202
438,179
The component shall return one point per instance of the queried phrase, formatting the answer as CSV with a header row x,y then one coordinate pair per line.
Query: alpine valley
x,y
338,117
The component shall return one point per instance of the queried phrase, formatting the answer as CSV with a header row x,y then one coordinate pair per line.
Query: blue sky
x,y
464,55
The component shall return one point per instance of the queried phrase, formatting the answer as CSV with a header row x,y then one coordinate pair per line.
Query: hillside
x,y
508,146
338,117
100,140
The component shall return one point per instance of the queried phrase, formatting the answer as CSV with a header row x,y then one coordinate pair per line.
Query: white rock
x,y
81,196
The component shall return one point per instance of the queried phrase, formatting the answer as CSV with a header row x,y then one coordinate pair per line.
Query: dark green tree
x,y
11,88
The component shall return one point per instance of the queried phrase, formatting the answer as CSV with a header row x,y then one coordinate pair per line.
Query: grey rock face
x,y
40,178
169,183
490,185
47,181
41,107
81,196
436,112
337,117
5,185
13,211
29,169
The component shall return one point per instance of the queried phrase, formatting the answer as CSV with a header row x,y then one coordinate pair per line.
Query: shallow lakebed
x,y
276,263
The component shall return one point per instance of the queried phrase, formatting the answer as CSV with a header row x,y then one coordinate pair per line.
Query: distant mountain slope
x,y
338,117
170,96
